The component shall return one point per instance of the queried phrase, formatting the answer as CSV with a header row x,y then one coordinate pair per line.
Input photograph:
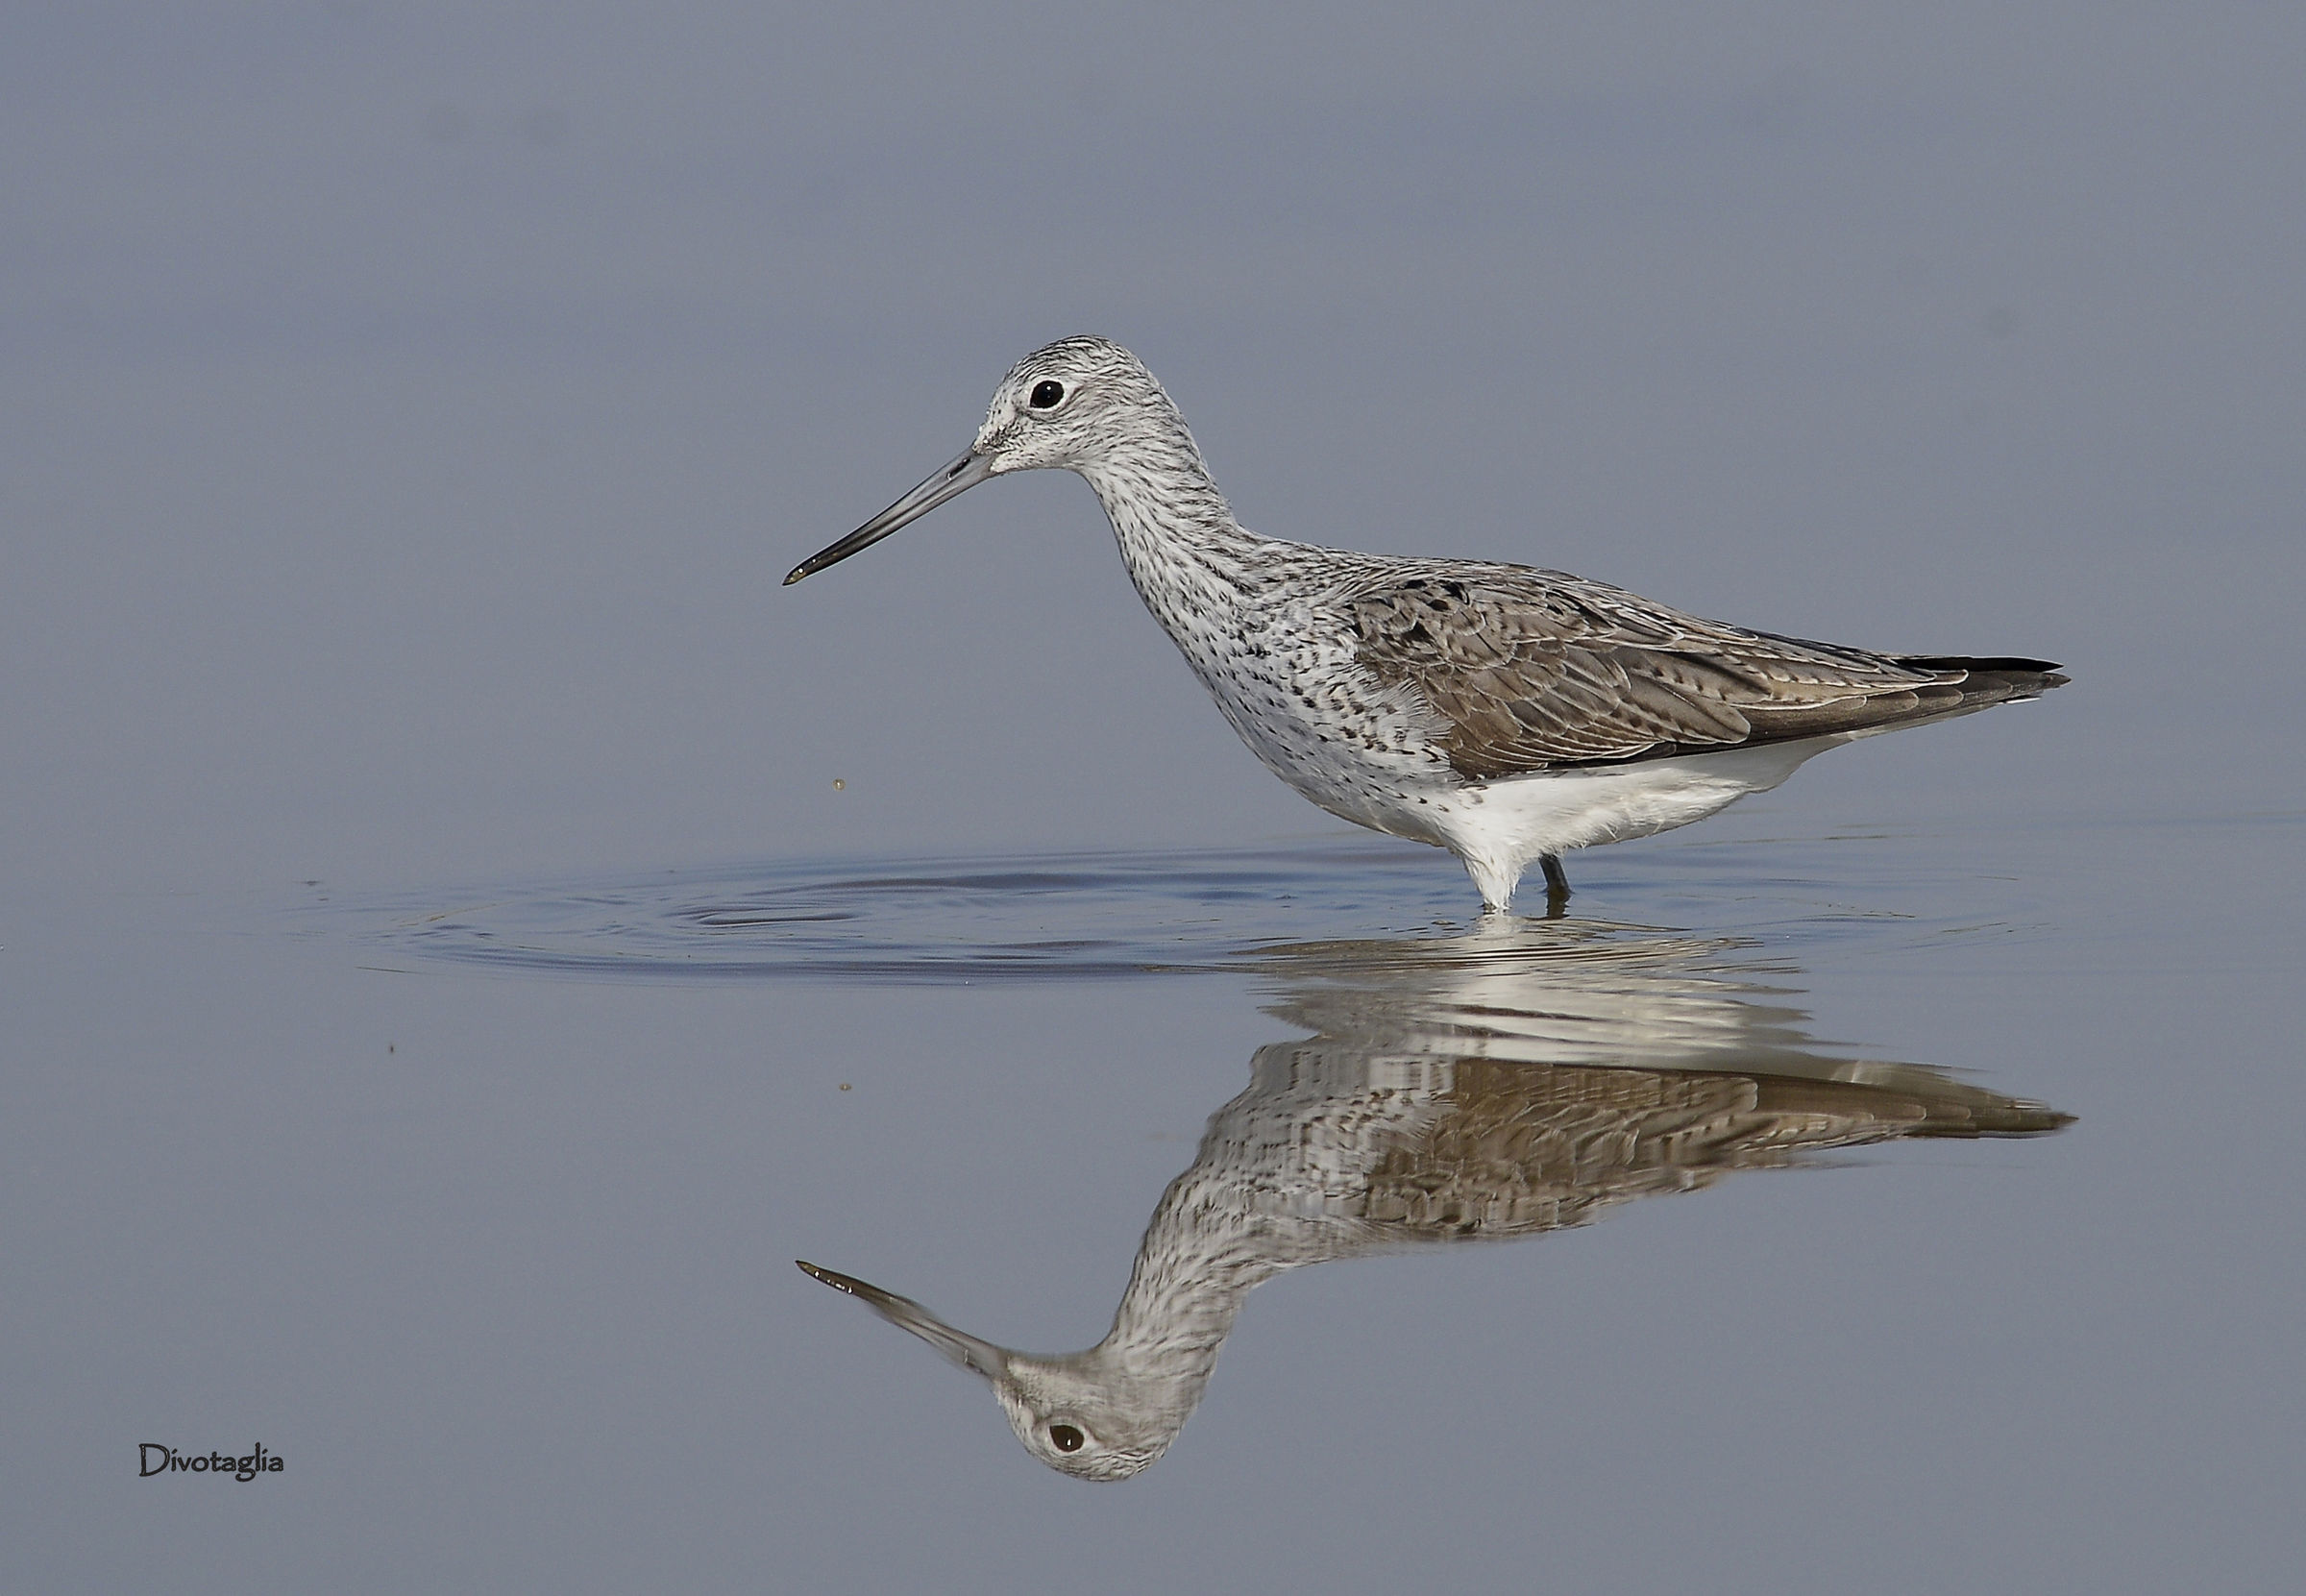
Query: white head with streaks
x,y
1084,404
1097,1414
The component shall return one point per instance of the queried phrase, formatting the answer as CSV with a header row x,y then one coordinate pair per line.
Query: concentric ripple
x,y
1048,916
1121,913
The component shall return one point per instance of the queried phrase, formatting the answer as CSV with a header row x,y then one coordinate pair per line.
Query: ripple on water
x,y
1101,915
988,917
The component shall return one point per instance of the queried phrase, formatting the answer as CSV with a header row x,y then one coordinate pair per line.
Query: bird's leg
x,y
1557,885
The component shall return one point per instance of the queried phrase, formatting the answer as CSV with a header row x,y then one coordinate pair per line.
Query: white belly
x,y
1498,827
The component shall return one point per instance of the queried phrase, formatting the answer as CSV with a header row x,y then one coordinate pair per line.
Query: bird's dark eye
x,y
1065,1437
1045,395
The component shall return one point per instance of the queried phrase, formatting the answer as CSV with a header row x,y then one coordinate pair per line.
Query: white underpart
x,y
1499,828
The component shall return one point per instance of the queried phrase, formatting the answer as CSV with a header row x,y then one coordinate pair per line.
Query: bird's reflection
x,y
1481,1088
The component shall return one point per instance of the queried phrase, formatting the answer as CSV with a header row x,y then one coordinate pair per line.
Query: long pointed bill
x,y
983,1357
955,479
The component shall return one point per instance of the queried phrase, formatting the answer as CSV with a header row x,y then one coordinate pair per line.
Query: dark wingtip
x,y
2001,677
791,576
1982,662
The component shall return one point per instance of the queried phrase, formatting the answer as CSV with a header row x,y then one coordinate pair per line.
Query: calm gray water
x,y
465,931
477,1206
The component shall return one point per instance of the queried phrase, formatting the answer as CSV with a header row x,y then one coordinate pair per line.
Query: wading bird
x,y
1502,712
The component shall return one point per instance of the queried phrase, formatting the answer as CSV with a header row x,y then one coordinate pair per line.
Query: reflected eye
x,y
1064,1437
1044,396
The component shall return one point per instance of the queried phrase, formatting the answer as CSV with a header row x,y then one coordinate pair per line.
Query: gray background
x,y
408,414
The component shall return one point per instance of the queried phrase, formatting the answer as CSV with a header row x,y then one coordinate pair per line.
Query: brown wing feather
x,y
1517,1147
1533,669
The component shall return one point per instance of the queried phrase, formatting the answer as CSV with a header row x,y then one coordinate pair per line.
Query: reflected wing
x,y
1520,1148
1533,669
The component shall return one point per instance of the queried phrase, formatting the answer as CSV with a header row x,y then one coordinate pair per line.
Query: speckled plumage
x,y
1503,712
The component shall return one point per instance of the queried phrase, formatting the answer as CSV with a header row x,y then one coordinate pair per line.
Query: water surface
x,y
537,1158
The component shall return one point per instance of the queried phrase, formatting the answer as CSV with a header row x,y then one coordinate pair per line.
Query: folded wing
x,y
1532,669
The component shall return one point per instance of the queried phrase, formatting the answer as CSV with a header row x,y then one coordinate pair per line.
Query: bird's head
x,y
1083,405
1082,1413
